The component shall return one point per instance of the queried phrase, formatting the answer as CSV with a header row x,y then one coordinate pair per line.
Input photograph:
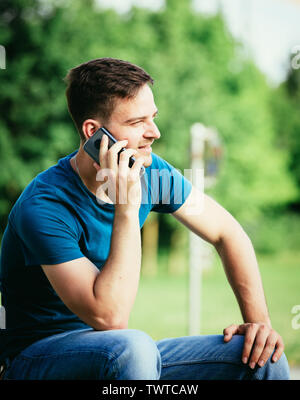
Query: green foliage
x,y
200,75
285,108
275,231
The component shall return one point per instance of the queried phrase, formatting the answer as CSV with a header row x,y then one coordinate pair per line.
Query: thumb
x,y
229,332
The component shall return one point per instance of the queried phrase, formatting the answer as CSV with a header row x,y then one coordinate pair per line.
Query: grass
x,y
161,307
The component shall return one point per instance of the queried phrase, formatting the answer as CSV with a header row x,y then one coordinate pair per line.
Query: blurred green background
x,y
201,75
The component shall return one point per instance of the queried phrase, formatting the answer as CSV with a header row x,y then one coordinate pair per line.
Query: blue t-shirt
x,y
57,219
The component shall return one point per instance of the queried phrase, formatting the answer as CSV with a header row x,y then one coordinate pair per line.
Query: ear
x,y
89,127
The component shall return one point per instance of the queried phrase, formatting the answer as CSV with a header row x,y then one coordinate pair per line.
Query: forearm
x,y
116,286
240,264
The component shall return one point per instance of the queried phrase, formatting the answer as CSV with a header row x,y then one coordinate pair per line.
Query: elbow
x,y
113,325
109,323
233,233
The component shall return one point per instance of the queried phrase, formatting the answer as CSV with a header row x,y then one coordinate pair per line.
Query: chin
x,y
147,157
148,161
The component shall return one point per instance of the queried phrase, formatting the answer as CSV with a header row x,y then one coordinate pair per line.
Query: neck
x,y
83,166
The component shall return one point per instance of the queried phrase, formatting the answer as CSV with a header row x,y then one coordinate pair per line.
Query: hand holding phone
x,y
92,147
119,162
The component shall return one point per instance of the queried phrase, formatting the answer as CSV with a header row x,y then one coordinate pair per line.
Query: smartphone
x,y
92,146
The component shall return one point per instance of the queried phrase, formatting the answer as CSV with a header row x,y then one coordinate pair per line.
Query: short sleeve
x,y
169,188
48,232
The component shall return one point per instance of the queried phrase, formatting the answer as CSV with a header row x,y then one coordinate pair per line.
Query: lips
x,y
147,148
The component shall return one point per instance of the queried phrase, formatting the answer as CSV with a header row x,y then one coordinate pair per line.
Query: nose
x,y
152,131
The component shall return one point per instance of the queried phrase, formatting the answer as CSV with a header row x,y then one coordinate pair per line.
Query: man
x,y
71,254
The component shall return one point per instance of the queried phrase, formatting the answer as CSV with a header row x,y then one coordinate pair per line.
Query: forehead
x,y
141,105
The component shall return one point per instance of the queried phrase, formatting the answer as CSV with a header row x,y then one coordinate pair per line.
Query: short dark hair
x,y
94,86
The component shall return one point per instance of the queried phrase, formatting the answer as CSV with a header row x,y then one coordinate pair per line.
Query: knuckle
x,y
263,327
260,343
252,327
248,341
270,346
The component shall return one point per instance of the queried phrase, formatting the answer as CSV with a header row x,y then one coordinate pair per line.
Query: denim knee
x,y
274,371
139,357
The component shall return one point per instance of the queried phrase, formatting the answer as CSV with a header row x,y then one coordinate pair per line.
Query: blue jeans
x,y
130,354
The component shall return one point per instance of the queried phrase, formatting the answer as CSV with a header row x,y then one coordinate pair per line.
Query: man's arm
x,y
206,218
103,299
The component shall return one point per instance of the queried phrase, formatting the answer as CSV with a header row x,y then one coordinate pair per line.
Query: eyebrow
x,y
138,118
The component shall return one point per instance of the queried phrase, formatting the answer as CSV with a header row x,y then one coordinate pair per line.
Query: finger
x,y
229,332
279,350
137,165
250,334
123,174
268,350
259,345
124,158
112,154
103,151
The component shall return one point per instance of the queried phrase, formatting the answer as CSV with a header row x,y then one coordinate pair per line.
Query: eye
x,y
137,122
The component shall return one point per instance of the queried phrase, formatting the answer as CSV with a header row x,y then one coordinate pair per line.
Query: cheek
x,y
134,139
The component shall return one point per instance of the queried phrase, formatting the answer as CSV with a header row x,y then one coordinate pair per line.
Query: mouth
x,y
147,148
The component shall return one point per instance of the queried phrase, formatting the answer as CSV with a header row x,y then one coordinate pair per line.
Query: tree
x,y
200,76
284,105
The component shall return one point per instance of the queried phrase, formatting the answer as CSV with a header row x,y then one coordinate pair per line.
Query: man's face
x,y
133,119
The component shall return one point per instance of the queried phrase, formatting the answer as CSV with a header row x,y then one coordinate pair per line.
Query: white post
x,y
200,251
195,245
2,57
